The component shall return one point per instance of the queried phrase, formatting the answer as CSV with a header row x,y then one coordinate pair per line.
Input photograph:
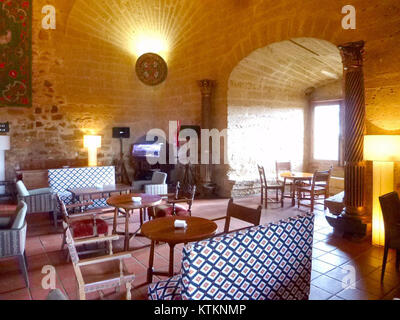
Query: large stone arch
x,y
266,103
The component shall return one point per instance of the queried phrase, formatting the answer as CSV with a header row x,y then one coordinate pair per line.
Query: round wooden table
x,y
163,229
296,177
125,202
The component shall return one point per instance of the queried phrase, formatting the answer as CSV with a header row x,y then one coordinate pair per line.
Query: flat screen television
x,y
143,150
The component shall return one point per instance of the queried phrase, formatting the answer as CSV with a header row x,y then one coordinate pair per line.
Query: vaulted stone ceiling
x,y
292,65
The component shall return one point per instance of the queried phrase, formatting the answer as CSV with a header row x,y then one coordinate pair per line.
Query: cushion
x,y
22,190
167,210
84,228
159,178
19,220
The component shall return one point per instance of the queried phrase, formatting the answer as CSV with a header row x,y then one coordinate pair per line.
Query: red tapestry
x,y
15,53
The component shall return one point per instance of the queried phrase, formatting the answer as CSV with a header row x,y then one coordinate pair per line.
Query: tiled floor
x,y
341,269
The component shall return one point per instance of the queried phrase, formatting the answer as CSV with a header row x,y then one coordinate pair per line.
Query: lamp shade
x,y
4,143
382,148
92,141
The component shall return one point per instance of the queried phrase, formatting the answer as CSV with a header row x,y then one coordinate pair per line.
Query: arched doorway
x,y
268,104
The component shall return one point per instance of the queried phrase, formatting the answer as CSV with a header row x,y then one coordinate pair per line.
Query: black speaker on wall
x,y
195,128
121,132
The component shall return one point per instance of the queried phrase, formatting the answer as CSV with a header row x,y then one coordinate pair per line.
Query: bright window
x,y
326,132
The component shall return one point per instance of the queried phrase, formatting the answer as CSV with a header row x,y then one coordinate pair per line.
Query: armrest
x,y
116,256
179,200
81,216
79,205
35,192
96,239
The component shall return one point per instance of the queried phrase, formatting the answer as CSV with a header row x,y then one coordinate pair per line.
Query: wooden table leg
x,y
127,230
151,260
294,192
171,259
114,231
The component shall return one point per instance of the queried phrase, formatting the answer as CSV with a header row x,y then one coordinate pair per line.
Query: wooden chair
x,y
172,205
319,186
390,204
99,273
84,224
243,213
274,185
284,167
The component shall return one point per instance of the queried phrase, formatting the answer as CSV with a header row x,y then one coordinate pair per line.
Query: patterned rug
x,y
15,53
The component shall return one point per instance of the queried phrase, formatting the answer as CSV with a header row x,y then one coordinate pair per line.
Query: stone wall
x,y
84,78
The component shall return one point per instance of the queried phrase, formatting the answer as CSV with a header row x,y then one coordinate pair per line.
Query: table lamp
x,y
92,143
382,150
4,145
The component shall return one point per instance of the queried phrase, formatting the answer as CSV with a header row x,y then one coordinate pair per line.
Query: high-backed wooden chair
x,y
390,204
243,213
284,167
319,187
84,224
99,273
173,204
274,185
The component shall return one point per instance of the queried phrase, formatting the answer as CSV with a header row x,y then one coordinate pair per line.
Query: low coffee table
x,y
163,230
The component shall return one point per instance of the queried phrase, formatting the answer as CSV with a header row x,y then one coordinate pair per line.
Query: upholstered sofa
x,y
157,184
271,262
60,180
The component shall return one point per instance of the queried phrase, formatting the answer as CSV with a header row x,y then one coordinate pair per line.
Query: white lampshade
x,y
4,143
92,141
382,148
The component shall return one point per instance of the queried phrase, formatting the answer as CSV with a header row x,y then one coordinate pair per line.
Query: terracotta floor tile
x,y
333,259
356,294
328,284
318,294
322,267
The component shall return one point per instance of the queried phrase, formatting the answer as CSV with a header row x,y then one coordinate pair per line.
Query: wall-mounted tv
x,y
142,150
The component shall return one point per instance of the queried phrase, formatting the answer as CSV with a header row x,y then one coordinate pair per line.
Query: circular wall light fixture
x,y
151,69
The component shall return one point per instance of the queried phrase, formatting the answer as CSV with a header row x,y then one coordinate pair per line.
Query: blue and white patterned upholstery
x,y
169,289
271,262
62,179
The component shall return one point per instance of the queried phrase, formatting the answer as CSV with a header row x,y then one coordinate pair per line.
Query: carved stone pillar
x,y
353,219
206,89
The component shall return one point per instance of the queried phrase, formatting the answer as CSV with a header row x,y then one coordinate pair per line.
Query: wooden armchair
x,y
266,185
172,205
246,214
319,187
390,204
13,238
83,224
99,273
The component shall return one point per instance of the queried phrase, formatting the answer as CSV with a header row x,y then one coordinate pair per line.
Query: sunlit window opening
x,y
326,132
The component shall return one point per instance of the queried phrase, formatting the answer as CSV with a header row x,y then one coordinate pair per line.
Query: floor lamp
x,y
4,145
382,150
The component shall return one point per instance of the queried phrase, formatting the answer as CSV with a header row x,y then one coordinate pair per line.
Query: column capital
x,y
352,55
206,86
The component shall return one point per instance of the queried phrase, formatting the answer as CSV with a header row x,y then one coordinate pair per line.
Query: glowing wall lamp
x,y
92,143
4,145
382,150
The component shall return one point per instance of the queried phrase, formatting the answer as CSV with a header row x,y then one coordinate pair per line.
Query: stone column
x,y
353,219
206,89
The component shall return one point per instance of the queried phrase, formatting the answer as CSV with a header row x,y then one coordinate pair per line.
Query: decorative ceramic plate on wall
x,y
151,69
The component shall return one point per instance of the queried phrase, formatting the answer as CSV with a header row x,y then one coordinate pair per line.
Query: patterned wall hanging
x,y
15,53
